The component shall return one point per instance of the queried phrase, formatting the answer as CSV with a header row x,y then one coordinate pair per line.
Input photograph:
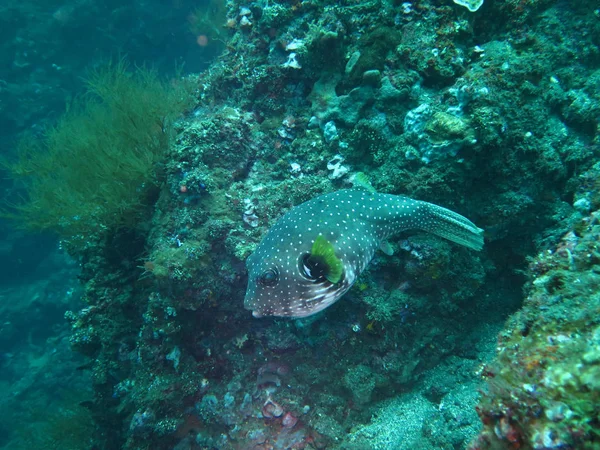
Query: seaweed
x,y
97,168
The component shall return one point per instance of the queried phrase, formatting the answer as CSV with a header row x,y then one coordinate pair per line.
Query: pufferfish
x,y
312,256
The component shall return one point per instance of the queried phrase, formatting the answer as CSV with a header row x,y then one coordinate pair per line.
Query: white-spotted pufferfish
x,y
315,252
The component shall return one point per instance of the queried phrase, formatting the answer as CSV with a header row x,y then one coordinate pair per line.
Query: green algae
x,y
98,168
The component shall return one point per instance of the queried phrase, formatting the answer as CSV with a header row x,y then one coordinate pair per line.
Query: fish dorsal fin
x,y
361,180
322,255
386,248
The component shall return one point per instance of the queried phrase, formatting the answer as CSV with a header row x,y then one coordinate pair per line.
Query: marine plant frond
x,y
95,166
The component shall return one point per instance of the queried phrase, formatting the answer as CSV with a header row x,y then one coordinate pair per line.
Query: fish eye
x,y
268,277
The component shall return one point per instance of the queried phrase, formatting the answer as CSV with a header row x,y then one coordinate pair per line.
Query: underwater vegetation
x,y
97,168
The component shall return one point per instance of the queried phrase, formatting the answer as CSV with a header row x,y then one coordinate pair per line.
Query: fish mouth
x,y
249,302
316,296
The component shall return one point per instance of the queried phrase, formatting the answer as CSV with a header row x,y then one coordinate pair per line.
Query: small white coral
x,y
245,22
292,62
296,44
471,5
249,215
295,169
336,168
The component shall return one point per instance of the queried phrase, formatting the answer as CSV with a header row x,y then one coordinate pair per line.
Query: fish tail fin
x,y
452,226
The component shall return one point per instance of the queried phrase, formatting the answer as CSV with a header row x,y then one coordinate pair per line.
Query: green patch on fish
x,y
313,255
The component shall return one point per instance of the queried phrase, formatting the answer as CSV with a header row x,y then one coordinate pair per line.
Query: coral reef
x,y
291,111
542,389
